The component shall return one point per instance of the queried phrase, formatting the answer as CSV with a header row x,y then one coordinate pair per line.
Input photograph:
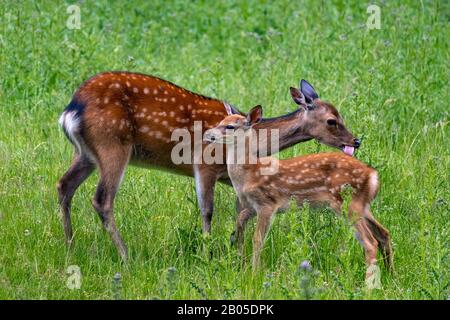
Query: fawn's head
x,y
233,126
322,121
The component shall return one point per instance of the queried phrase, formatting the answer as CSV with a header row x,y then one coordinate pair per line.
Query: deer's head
x,y
233,126
322,121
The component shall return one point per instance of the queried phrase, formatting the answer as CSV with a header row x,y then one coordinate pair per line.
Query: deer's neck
x,y
291,129
243,161
238,173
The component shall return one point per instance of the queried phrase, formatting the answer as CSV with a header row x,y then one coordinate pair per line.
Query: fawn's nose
x,y
209,136
357,143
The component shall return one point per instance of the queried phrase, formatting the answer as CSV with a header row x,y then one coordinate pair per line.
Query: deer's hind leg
x,y
383,237
112,162
80,169
363,233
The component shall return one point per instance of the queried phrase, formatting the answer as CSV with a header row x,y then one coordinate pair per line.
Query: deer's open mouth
x,y
349,150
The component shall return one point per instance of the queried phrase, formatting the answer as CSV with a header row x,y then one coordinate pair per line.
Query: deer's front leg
x,y
263,222
205,180
241,223
239,209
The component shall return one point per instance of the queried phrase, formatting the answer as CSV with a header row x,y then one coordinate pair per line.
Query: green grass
x,y
390,85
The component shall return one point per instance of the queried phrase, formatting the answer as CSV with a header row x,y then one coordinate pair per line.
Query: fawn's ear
x,y
298,97
308,91
254,115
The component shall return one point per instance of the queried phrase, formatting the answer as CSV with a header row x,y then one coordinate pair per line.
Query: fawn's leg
x,y
241,223
112,163
239,208
264,219
363,234
205,180
383,238
79,171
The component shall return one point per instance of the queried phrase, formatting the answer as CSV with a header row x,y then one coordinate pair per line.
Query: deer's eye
x,y
331,122
229,127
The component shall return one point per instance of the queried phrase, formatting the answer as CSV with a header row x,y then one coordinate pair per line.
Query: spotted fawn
x,y
316,178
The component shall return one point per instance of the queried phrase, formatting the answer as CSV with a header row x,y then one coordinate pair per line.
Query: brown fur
x,y
129,118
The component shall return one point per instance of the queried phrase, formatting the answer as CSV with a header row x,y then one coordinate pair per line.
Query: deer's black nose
x,y
357,143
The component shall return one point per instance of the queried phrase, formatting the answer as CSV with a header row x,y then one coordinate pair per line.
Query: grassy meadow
x,y
391,86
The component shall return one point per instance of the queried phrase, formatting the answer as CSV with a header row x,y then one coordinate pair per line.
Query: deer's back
x,y
142,110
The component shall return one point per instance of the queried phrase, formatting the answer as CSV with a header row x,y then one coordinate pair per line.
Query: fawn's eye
x,y
331,122
229,127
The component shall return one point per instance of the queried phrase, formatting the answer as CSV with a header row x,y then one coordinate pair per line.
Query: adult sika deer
x,y
263,188
117,118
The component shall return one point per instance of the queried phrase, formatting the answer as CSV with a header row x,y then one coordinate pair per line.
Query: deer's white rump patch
x,y
70,121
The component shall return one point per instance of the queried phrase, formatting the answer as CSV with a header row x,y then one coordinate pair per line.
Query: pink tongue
x,y
349,150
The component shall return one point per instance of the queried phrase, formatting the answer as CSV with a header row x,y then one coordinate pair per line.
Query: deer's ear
x,y
308,91
254,115
298,97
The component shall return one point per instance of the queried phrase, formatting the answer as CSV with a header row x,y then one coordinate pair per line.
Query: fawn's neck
x,y
242,159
